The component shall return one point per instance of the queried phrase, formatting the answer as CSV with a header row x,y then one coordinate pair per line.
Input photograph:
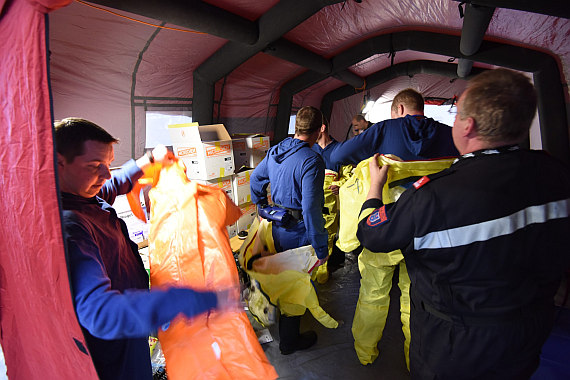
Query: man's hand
x,y
321,261
334,189
378,178
229,300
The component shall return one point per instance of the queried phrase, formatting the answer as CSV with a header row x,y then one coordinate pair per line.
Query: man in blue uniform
x,y
109,284
296,174
411,136
359,124
333,180
485,241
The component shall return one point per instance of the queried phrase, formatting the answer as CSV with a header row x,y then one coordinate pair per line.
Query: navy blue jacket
x,y
296,174
410,138
114,307
326,154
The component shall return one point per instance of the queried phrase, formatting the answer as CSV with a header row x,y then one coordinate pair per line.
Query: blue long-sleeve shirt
x,y
326,154
296,174
413,137
109,284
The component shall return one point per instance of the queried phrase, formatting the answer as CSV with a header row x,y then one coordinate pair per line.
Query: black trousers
x,y
443,349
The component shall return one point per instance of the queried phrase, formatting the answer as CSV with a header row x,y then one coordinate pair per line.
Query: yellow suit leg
x,y
372,307
404,285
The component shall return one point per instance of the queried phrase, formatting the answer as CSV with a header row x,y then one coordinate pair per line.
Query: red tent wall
x,y
39,332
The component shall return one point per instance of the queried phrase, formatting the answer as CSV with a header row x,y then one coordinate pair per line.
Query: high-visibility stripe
x,y
456,237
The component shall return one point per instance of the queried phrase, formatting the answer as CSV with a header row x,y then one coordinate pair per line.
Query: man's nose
x,y
105,172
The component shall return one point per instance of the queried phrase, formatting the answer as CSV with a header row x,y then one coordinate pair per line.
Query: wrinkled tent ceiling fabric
x,y
251,84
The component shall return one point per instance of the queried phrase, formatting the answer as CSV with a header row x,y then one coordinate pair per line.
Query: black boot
x,y
289,338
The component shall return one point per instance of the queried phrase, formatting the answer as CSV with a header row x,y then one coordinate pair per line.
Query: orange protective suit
x,y
189,246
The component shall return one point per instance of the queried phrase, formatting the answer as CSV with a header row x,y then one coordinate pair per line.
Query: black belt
x,y
297,214
485,320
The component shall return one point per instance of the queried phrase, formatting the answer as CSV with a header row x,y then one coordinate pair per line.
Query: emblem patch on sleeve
x,y
420,182
377,217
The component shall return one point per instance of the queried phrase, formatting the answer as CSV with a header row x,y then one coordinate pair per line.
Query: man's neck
x,y
324,140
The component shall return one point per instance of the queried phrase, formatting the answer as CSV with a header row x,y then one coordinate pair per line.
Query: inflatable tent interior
x,y
247,64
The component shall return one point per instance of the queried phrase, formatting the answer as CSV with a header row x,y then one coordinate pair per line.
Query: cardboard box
x,y
232,230
249,214
138,230
241,186
206,150
224,183
241,153
257,145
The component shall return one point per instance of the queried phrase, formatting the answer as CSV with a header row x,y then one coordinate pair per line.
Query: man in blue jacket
x,y
411,136
109,284
296,174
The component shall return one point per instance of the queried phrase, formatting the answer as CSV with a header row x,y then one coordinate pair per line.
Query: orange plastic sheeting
x,y
189,246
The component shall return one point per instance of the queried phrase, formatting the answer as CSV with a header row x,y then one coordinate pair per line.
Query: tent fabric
x,y
40,335
103,50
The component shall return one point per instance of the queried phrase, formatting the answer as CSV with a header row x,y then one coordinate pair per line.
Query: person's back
x,y
485,241
498,233
408,134
412,137
296,174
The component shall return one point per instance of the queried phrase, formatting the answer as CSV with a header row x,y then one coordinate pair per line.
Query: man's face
x,y
458,126
87,173
358,126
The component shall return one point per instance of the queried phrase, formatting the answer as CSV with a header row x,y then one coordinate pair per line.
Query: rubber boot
x,y
289,338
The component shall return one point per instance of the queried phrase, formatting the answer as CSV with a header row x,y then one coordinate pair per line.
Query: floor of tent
x,y
334,357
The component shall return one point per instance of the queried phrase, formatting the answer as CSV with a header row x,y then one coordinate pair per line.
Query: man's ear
x,y
60,160
401,110
470,128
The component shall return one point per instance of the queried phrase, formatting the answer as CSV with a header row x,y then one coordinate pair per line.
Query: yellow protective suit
x,y
289,286
321,274
376,269
189,246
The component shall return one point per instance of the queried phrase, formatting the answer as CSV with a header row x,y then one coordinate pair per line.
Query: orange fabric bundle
x,y
189,246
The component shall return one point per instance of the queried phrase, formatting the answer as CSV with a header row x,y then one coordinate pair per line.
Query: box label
x,y
187,152
218,150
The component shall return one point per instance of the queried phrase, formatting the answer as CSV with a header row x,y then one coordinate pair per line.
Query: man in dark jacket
x,y
109,284
296,174
485,241
411,136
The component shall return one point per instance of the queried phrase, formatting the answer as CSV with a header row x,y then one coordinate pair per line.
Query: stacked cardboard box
x,y
206,150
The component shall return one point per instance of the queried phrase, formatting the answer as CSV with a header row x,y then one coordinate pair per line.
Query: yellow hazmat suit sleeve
x,y
288,287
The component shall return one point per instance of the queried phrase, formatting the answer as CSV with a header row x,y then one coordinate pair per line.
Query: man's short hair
x,y
410,98
309,120
359,117
72,132
502,103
